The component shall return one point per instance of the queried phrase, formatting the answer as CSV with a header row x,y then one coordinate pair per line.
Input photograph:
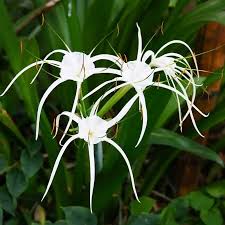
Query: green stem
x,y
113,100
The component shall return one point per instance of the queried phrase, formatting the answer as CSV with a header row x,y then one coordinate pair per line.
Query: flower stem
x,y
113,100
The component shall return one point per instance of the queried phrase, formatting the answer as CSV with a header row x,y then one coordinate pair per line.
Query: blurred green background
x,y
29,29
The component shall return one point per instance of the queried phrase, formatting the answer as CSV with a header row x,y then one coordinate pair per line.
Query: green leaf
x,y
173,3
8,122
168,216
216,189
33,147
200,201
3,163
215,118
12,222
1,216
181,205
79,216
5,146
31,164
61,222
144,219
6,201
16,182
212,216
145,206
172,139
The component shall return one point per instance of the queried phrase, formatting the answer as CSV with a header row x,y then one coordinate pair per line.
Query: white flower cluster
x,y
139,74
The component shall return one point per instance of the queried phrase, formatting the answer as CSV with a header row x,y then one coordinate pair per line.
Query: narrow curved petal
x,y
45,58
178,100
182,43
181,71
139,53
189,112
100,86
112,58
127,162
144,116
56,164
44,97
187,101
192,100
72,111
146,55
109,70
123,112
158,84
92,171
72,116
193,90
95,106
22,71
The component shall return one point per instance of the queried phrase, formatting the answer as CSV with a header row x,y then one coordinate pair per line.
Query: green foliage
x,y
168,138
145,205
212,216
79,215
6,201
25,164
199,201
16,182
216,189
31,164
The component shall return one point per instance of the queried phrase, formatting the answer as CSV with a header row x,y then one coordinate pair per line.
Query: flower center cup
x,y
167,64
92,129
76,66
138,74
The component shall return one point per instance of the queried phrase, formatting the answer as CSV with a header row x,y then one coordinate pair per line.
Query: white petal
x,y
92,171
127,162
106,70
72,111
115,59
185,93
101,86
187,101
193,90
45,58
123,112
57,161
95,106
139,53
44,97
22,71
144,118
147,55
158,84
182,43
71,116
178,101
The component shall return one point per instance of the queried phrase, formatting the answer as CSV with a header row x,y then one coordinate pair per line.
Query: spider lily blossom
x,y
140,74
136,73
176,68
93,130
75,66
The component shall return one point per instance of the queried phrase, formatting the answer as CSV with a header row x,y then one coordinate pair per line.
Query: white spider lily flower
x,y
136,73
75,66
93,130
174,72
140,74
